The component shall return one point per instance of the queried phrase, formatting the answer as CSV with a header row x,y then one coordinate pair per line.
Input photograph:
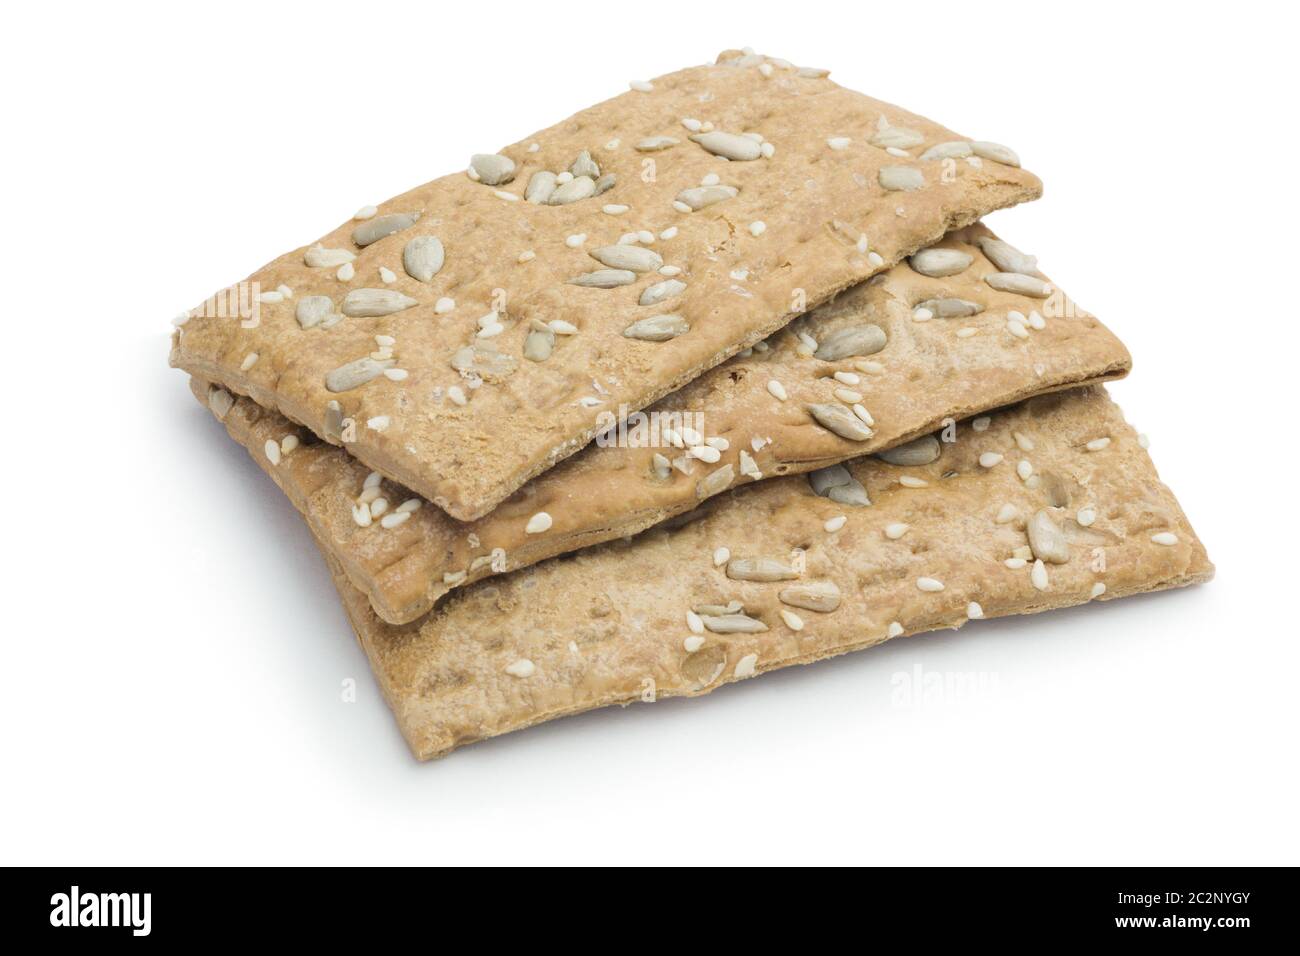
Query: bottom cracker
x,y
610,625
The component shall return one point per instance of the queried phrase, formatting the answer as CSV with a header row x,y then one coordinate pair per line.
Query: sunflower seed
x,y
605,183
950,308
899,137
937,263
318,257
921,451
372,230
483,361
541,186
653,144
701,196
852,341
900,178
659,291
584,165
312,309
354,374
824,479
959,149
657,328
841,421
604,279
632,258
375,302
717,481
492,169
760,569
821,596
995,152
1019,284
423,257
1007,257
539,343
578,188
733,624
1046,539
730,145
852,493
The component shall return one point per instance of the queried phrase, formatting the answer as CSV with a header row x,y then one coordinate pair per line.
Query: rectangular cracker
x,y
926,373
608,624
808,221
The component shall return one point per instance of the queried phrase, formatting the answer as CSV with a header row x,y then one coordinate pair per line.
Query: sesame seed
x,y
930,585
527,256
757,228
847,378
1097,444
387,275
792,620
777,390
378,507
379,422
863,414
692,124
395,519
502,194
361,515
272,449
1165,537
346,272
457,395
989,459
693,643
1036,321
288,443
1017,329
1015,564
249,361
922,315
1038,575
862,244
768,150
681,206
410,504
561,327
444,305
641,86
614,209
896,530
838,142
670,271
1098,590
909,481
669,233
564,177
966,332
721,556
1024,469
704,453
1023,441
981,424
895,629
1143,441
538,523
276,296
848,396
974,611
694,622
575,240
836,523
710,179
1006,513
365,212
875,259
646,236
1086,516
521,668
372,480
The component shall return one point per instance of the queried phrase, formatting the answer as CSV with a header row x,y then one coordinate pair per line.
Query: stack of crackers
x,y
721,375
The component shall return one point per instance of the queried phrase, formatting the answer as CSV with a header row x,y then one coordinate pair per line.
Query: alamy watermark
x,y
629,429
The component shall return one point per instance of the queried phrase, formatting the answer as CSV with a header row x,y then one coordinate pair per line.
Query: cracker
x,y
927,372
808,221
609,625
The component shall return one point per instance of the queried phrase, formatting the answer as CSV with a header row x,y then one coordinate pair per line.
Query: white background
x,y
172,648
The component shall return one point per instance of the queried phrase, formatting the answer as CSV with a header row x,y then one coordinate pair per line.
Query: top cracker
x,y
465,336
